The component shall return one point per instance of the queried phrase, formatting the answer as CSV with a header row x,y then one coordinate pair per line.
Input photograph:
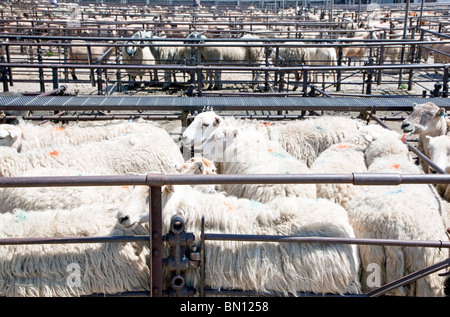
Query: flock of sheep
x,y
322,145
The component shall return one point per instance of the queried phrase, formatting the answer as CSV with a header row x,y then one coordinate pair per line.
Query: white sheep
x,y
80,55
322,56
303,139
121,155
138,55
293,56
306,139
285,268
439,151
348,156
247,151
70,269
405,212
27,136
66,197
233,54
426,119
198,165
343,157
167,54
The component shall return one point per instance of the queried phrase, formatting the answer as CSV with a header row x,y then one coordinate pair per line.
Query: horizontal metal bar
x,y
72,240
333,240
175,66
91,103
157,179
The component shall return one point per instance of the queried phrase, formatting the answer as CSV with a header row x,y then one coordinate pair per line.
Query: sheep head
x,y
136,208
426,119
438,149
10,135
202,126
197,165
215,146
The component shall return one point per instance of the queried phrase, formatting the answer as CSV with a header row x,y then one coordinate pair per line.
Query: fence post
x,y
338,75
41,71
266,79
156,241
4,74
55,78
445,83
8,59
305,83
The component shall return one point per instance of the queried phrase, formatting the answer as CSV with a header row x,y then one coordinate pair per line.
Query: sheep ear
x,y
441,112
415,104
368,137
167,189
14,134
199,167
235,133
217,121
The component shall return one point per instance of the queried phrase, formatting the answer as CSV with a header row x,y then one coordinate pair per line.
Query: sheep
x,y
394,52
166,54
139,55
26,136
343,157
441,52
306,139
293,56
120,155
357,52
246,151
198,165
426,119
322,56
303,139
46,198
80,54
439,151
406,212
233,54
260,267
70,269
348,156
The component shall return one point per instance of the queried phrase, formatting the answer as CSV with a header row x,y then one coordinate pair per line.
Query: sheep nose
x,y
123,220
404,125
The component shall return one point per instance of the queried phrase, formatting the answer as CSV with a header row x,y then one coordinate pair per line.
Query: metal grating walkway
x,y
216,103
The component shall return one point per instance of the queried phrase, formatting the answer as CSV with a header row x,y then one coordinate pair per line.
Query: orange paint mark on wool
x,y
54,153
229,207
125,187
59,128
396,166
269,150
266,124
404,138
342,146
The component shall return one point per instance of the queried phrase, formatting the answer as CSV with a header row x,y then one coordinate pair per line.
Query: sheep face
x,y
202,126
439,151
215,146
10,135
135,210
197,165
427,119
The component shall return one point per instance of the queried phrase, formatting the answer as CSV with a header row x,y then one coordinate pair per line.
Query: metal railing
x,y
156,237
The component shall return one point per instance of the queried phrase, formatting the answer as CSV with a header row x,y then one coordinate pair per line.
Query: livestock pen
x,y
183,258
162,258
